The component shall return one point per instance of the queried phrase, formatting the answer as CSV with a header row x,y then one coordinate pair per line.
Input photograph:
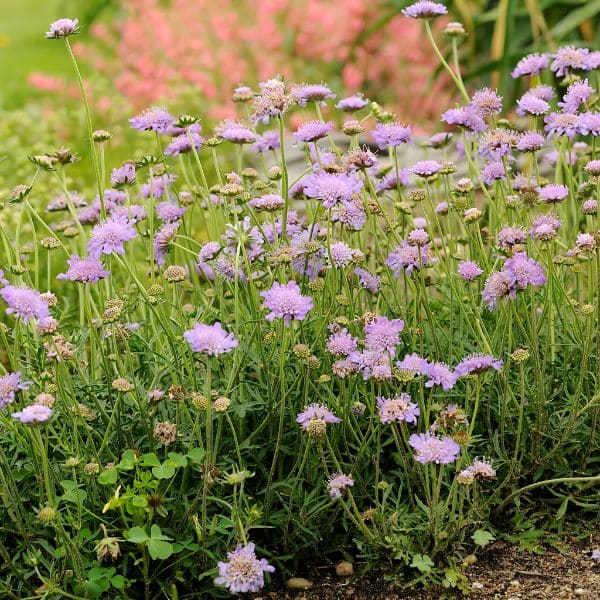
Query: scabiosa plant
x,y
391,134
84,270
332,188
110,236
24,303
398,409
383,334
407,257
425,9
243,572
212,340
532,64
155,118
286,302
426,168
34,414
10,384
476,364
352,103
431,448
337,484
314,419
438,373
469,270
312,131
367,280
62,29
553,193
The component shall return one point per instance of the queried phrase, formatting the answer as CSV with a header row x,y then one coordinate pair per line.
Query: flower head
x,y
210,339
337,483
577,93
332,188
352,103
10,384
391,134
62,29
532,64
272,101
553,192
398,409
162,241
155,118
35,414
367,280
169,212
425,9
243,572
407,257
439,373
433,449
235,132
426,168
24,303
569,58
469,270
110,236
476,364
84,270
383,334
286,302
311,92
314,419
313,131
269,140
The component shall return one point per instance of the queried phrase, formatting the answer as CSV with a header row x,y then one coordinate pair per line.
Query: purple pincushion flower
x,y
469,270
62,29
84,270
544,227
243,572
368,281
35,414
286,302
110,236
530,141
486,102
577,93
398,409
155,118
510,236
10,384
332,188
383,334
169,212
498,285
341,255
268,202
269,140
311,92
407,257
426,168
569,58
393,180
589,207
210,339
341,343
235,132
425,9
162,241
589,124
529,104
465,117
532,64
123,176
391,134
315,412
24,303
184,143
524,271
493,171
553,193
433,449
562,124
312,131
476,364
337,483
412,363
439,374
352,103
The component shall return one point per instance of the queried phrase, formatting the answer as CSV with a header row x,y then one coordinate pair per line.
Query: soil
x,y
502,571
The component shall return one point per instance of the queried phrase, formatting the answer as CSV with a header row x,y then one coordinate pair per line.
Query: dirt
x,y
502,571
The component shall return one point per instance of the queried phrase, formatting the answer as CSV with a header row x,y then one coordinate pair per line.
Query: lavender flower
x,y
569,58
337,483
486,102
243,572
383,334
426,168
590,207
593,167
510,236
350,214
413,364
155,118
10,384
479,469
589,124
367,280
269,140
24,303
352,103
109,237
162,242
341,343
524,271
469,270
269,202
465,117
406,257
332,188
530,104
439,374
391,134
553,193
392,180
314,419
169,212
182,144
341,255
493,171
425,9
312,131
561,124
84,270
35,414
476,364
311,92
235,132
544,227
123,176
273,101
532,64
530,141
212,340
62,29
286,302
545,92
433,449
398,409
498,285
577,93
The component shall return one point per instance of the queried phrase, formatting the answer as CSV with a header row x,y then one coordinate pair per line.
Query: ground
x,y
502,572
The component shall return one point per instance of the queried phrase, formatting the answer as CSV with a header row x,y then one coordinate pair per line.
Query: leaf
x,y
108,476
178,459
196,455
140,501
575,17
165,471
422,562
149,460
159,550
118,582
482,537
156,533
137,535
560,513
